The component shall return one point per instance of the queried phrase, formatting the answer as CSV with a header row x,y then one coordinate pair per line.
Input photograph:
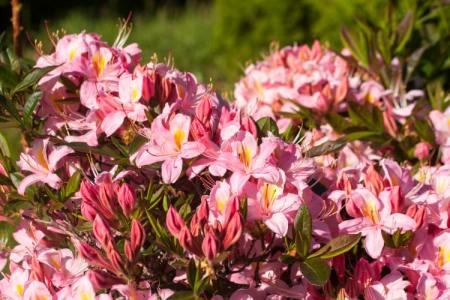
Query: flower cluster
x,y
141,183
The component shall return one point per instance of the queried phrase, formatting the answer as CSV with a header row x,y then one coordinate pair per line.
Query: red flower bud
x,y
92,255
128,251
395,199
249,125
174,222
418,213
102,280
126,199
115,258
233,231
101,232
203,109
88,211
373,181
88,191
209,245
137,236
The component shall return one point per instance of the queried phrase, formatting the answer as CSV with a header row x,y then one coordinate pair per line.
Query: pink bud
x,y
106,197
185,239
362,275
102,280
92,255
395,199
137,236
88,211
88,191
389,123
126,199
128,251
418,213
203,110
209,245
115,258
373,181
249,125
233,231
174,222
198,130
422,150
101,232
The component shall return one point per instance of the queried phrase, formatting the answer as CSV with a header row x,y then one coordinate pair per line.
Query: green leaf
x,y
315,270
68,84
424,130
303,231
29,107
192,273
337,246
338,122
72,185
4,147
368,116
266,125
183,295
326,148
6,231
7,77
32,78
403,31
361,135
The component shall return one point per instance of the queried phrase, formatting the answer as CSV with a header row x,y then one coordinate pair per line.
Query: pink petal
x,y
374,243
171,169
278,223
192,149
112,122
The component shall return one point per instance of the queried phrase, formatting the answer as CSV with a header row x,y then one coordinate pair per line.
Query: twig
x,y
15,21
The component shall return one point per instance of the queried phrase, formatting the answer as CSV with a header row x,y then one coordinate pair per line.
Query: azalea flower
x,y
42,161
272,206
170,144
375,217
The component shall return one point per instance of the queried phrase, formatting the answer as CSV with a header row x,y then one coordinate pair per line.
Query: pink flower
x,y
42,160
246,159
272,206
390,287
441,124
169,143
375,217
37,290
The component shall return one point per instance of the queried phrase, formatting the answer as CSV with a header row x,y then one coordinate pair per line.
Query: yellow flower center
x,y
245,155
40,156
72,52
86,296
99,62
134,94
443,256
370,211
442,184
269,193
19,289
55,263
179,137
259,88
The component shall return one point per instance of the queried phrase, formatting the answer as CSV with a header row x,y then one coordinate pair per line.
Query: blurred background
x,y
214,39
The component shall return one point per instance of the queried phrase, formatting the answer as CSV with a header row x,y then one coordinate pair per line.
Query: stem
x,y
15,21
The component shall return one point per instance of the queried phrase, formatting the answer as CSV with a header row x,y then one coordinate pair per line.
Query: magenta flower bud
x,y
126,199
185,239
422,150
128,251
203,110
174,221
417,213
89,192
362,275
106,197
198,130
233,231
92,255
395,199
373,181
209,245
137,236
101,232
115,258
195,226
102,280
88,211
249,125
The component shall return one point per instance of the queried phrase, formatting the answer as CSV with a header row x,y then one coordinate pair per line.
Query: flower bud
x,y
233,231
373,181
92,255
174,222
137,236
203,110
422,150
126,199
209,245
88,211
249,125
88,191
115,258
101,232
128,251
102,280
417,213
395,199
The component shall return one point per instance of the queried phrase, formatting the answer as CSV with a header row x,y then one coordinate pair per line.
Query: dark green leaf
x,y
303,231
183,295
29,107
73,184
337,246
32,78
404,30
192,273
4,147
266,125
6,231
315,270
326,148
7,77
424,130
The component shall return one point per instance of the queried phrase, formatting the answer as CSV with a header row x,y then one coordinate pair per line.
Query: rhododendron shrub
x,y
327,177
